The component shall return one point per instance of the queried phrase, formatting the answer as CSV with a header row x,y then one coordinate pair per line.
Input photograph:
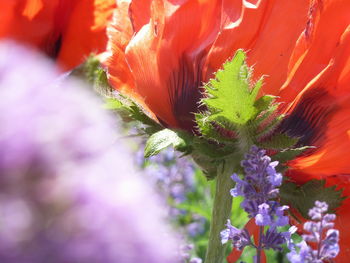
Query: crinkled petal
x,y
268,31
88,20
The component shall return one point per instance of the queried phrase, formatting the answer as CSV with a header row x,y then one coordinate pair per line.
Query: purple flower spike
x,y
259,184
68,189
327,248
259,189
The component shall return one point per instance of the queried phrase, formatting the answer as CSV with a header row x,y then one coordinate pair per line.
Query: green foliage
x,y
278,141
264,102
210,131
235,117
303,197
129,111
289,154
92,72
166,137
230,98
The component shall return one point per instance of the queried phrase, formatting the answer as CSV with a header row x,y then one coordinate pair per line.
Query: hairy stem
x,y
221,212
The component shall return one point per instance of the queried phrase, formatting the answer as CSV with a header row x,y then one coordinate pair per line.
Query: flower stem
x,y
259,247
221,212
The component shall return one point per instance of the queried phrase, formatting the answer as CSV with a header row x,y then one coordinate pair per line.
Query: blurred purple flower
x,y
197,226
68,189
173,175
185,252
196,260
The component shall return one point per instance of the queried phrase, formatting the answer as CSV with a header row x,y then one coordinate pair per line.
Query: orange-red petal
x,y
86,31
140,13
29,21
330,72
63,29
329,21
267,30
119,74
321,65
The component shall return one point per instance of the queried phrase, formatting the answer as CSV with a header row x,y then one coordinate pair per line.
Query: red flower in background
x,y
65,30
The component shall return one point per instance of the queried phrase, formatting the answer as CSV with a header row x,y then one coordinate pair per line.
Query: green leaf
x,y
278,141
303,197
205,127
180,140
231,100
113,104
264,102
289,154
207,164
265,115
92,72
137,113
270,128
209,131
211,149
130,111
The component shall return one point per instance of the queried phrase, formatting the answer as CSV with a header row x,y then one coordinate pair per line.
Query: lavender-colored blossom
x,y
316,213
304,255
263,217
260,183
259,187
327,244
281,218
240,238
68,189
274,239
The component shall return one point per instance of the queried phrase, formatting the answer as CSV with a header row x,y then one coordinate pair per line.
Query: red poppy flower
x,y
162,50
64,29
